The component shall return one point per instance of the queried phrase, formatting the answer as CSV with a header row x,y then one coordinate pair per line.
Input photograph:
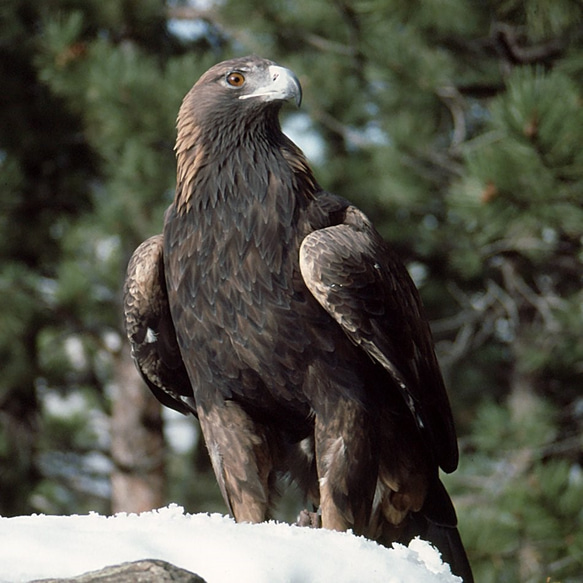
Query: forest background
x,y
457,125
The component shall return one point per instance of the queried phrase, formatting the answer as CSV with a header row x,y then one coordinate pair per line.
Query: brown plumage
x,y
302,334
150,329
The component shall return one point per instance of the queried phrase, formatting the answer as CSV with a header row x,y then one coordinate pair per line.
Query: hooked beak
x,y
282,85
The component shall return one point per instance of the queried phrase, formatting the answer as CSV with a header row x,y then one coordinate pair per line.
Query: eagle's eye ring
x,y
236,79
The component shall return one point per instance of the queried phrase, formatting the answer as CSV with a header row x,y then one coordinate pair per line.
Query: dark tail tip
x,y
437,523
449,543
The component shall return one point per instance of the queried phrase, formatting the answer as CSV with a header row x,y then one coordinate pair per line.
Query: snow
x,y
213,546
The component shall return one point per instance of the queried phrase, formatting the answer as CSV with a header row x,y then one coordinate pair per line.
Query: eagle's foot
x,y
309,519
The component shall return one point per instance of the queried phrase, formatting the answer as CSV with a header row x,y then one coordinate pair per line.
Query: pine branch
x,y
454,101
511,43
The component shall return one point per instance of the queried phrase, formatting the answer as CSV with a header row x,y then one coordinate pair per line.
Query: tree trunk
x,y
138,481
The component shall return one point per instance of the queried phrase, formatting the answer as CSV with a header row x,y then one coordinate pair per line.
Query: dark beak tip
x,y
298,99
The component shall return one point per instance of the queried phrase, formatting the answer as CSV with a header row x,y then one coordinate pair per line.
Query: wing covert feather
x,y
150,329
359,281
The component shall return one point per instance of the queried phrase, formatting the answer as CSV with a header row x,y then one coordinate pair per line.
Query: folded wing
x,y
150,329
358,280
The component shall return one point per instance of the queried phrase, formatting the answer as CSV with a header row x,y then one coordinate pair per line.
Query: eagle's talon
x,y
309,519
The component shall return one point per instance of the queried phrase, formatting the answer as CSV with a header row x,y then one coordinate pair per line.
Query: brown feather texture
x,y
294,332
150,329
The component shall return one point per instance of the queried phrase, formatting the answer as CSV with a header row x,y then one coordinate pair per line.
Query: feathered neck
x,y
225,156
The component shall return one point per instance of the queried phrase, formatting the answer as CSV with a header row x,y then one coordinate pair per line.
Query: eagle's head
x,y
243,89
230,114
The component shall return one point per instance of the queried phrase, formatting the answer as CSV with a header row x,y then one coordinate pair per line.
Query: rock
x,y
145,571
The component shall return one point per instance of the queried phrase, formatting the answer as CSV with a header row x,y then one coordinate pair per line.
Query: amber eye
x,y
236,79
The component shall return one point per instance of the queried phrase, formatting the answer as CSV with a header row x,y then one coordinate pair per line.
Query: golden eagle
x,y
275,312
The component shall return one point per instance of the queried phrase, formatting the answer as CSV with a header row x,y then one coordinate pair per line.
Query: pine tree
x,y
43,174
87,155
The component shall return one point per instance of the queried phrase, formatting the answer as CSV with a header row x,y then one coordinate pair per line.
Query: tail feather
x,y
436,522
447,540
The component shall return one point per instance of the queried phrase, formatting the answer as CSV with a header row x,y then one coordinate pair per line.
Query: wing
x,y
150,329
359,281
